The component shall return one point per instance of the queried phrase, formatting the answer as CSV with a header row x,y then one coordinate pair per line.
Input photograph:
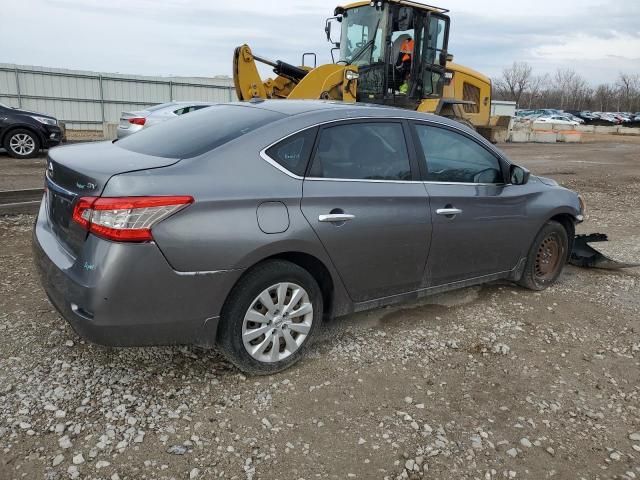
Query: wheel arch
x,y
311,264
22,126
568,222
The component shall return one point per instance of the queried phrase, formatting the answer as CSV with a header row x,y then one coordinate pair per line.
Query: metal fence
x,y
89,100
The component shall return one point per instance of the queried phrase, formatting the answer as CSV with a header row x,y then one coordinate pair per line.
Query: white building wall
x,y
86,100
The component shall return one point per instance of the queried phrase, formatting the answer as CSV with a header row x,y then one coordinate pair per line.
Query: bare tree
x,y
603,98
514,81
629,90
537,85
566,90
563,80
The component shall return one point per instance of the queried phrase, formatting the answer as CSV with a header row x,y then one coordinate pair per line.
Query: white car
x,y
557,119
132,122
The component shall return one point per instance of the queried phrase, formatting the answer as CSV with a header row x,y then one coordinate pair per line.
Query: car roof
x,y
338,110
181,103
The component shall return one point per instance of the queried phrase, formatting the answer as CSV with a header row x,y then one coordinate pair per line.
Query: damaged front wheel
x,y
547,257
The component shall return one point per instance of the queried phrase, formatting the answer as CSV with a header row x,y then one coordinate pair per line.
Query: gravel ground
x,y
486,382
16,174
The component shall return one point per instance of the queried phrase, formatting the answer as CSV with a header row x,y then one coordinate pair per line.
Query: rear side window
x,y
199,132
183,110
293,152
362,151
452,157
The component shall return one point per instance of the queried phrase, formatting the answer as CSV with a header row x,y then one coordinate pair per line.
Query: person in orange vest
x,y
403,64
406,50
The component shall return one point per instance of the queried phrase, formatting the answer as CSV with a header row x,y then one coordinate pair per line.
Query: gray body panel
x,y
383,250
246,210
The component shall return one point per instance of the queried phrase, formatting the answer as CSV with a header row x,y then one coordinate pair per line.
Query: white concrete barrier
x,y
605,130
519,136
540,132
543,137
569,137
628,131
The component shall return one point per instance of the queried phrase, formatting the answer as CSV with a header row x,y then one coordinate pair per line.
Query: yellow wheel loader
x,y
391,52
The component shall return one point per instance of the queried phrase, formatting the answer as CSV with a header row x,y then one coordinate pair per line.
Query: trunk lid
x,y
83,171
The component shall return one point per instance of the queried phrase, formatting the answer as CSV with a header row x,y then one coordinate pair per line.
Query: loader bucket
x,y
584,255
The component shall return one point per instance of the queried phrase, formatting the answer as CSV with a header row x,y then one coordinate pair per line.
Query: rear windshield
x,y
199,132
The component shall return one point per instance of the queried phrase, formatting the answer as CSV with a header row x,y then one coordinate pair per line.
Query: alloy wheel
x,y
22,144
277,323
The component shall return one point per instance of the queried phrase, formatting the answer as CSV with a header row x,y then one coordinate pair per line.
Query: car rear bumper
x,y
119,294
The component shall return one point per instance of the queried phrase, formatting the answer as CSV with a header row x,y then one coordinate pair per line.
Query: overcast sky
x,y
598,38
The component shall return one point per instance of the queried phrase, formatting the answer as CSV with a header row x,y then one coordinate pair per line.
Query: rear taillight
x,y
125,219
138,120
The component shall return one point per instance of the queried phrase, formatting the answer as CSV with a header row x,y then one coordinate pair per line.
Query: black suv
x,y
24,133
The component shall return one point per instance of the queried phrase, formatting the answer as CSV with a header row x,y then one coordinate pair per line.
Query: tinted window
x,y
193,108
372,151
293,152
452,157
199,132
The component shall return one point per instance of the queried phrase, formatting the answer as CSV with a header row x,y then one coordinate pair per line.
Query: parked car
x,y
132,122
546,112
23,133
572,117
557,119
245,224
587,116
608,118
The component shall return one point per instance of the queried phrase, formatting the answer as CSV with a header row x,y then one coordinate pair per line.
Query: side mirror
x,y
329,30
518,175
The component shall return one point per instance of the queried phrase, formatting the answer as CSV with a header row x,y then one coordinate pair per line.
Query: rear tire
x,y
263,329
22,143
546,258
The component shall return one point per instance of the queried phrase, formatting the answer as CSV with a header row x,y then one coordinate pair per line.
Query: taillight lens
x,y
138,120
125,219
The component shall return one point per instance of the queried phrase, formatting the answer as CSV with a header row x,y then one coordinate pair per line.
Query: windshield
x,y
362,36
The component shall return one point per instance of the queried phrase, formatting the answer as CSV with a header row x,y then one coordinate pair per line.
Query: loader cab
x,y
400,50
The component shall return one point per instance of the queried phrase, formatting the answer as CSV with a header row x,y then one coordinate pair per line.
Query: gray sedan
x,y
133,122
244,225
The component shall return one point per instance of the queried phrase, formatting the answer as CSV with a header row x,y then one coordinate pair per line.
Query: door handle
x,y
448,211
336,217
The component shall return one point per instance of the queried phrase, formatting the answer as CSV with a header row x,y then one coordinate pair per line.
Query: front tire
x,y
270,318
22,143
547,257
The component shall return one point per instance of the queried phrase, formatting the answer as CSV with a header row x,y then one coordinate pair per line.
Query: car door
x,y
476,216
364,200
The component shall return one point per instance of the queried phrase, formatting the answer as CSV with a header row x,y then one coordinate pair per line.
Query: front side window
x,y
362,151
452,157
362,38
293,152
433,46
